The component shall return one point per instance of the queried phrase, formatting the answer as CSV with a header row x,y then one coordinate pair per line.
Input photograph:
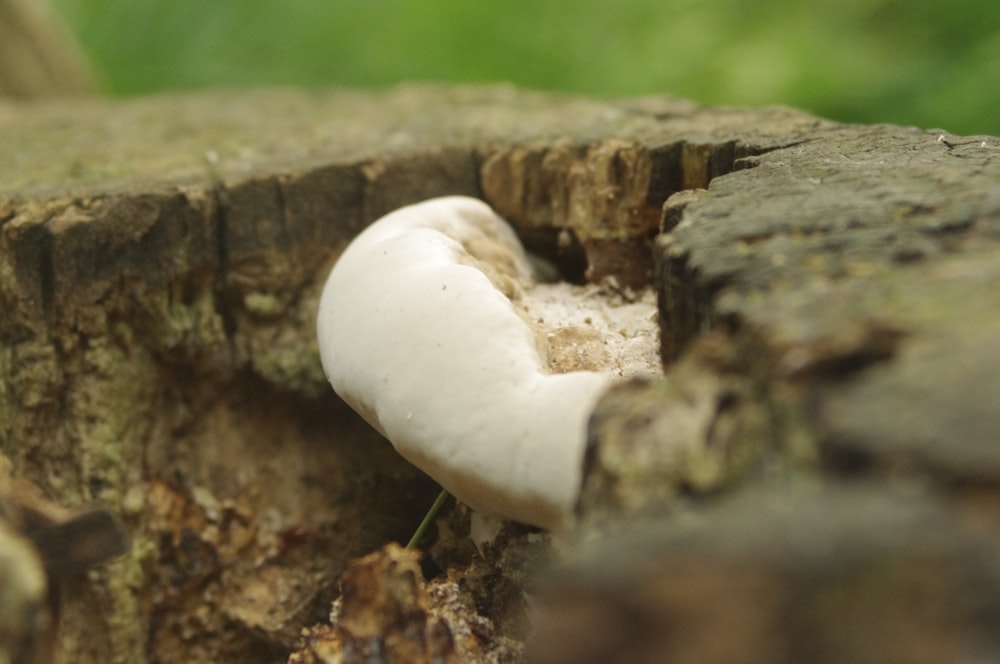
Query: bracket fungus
x,y
435,326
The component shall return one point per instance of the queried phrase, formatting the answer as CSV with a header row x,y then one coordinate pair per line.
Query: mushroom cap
x,y
418,333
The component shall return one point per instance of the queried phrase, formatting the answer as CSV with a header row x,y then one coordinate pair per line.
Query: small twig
x,y
431,513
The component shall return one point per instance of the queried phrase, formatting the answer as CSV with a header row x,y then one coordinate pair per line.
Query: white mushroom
x,y
419,333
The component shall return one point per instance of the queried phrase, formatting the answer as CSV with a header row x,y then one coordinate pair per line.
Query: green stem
x,y
431,513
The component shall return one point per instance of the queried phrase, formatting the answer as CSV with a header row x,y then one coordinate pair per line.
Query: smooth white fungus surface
x,y
433,327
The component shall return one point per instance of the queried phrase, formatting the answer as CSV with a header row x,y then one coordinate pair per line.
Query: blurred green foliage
x,y
922,62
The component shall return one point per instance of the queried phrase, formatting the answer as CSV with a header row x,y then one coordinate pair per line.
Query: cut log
x,y
827,302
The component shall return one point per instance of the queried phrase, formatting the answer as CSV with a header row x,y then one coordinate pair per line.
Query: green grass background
x,y
929,63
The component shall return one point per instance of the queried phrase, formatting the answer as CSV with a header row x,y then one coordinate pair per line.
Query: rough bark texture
x,y
828,309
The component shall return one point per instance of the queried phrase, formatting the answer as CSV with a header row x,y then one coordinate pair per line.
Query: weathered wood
x,y
827,305
857,574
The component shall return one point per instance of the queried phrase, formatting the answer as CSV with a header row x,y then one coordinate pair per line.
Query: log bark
x,y
828,319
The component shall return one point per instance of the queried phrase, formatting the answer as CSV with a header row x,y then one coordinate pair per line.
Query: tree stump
x,y
814,479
